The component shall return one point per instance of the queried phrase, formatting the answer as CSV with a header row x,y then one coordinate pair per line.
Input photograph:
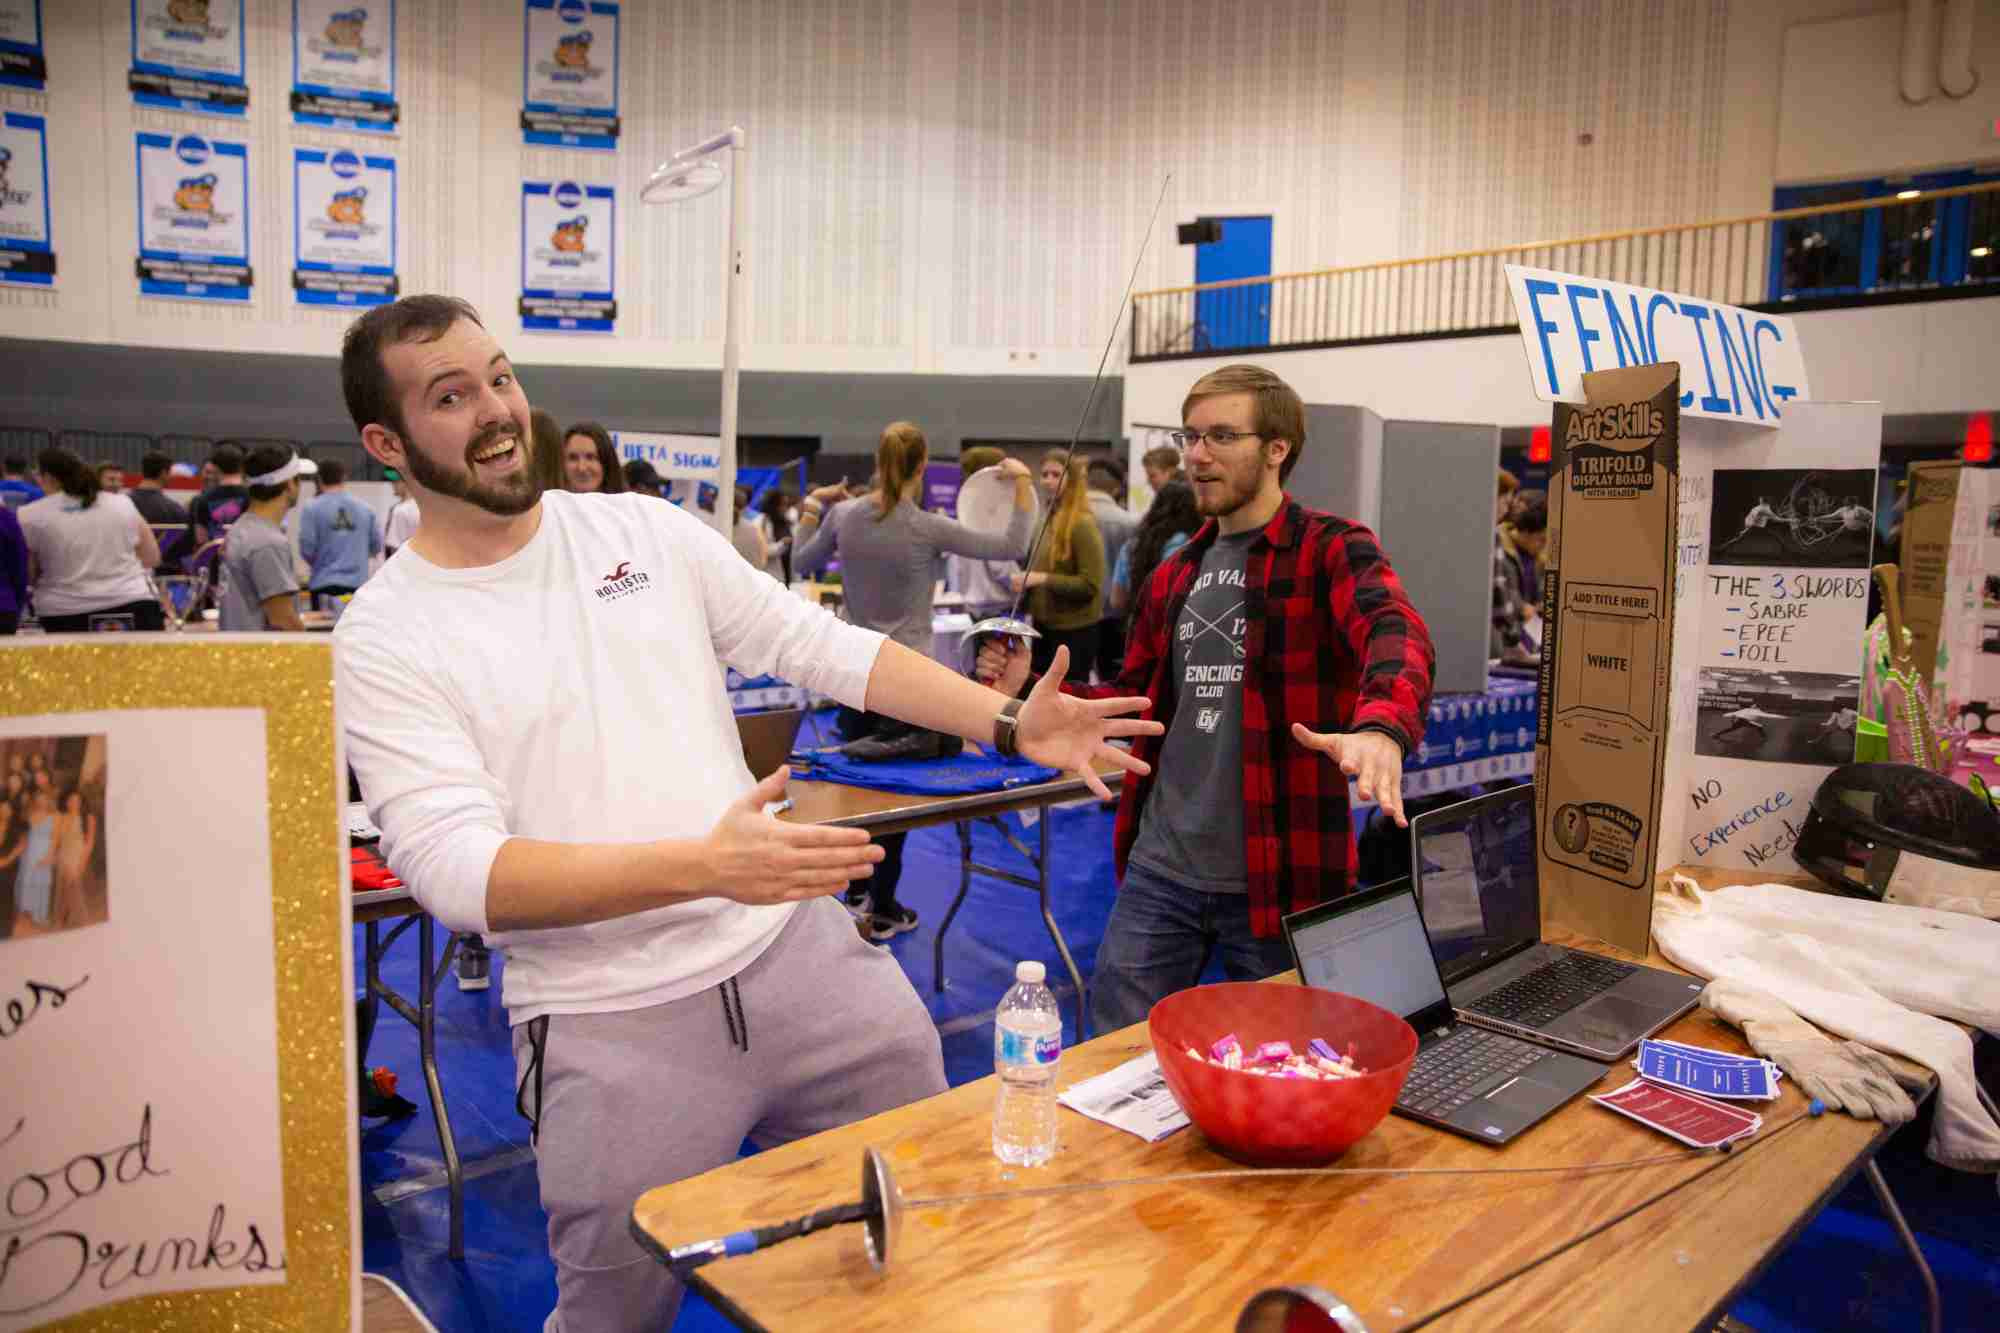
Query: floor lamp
x,y
689,174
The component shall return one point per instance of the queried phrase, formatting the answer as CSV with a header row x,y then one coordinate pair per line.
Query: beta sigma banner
x,y
344,64
568,257
27,251
194,217
344,228
569,73
188,55
21,62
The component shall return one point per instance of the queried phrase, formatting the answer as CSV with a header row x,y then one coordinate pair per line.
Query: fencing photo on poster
x,y
568,257
1777,717
188,55
194,217
344,228
52,858
1792,517
27,249
569,73
344,64
22,64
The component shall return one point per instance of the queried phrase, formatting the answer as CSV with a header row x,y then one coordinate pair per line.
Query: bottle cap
x,y
1031,972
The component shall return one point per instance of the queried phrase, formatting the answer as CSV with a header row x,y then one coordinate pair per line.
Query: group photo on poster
x,y
22,63
568,257
569,73
27,250
1777,717
1795,517
344,64
52,861
189,55
194,217
344,227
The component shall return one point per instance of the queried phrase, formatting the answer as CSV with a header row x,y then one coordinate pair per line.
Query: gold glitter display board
x,y
177,1118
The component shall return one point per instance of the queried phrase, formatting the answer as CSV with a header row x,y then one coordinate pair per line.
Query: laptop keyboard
x,y
1551,990
1449,1073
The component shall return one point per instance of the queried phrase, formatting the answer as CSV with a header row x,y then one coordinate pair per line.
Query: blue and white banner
x,y
194,217
343,228
569,73
568,257
22,64
188,55
344,64
27,250
1738,365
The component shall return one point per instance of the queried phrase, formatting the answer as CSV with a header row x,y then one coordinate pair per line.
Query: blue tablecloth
x,y
963,774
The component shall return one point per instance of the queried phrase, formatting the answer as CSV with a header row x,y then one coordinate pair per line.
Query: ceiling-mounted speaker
x,y
1202,231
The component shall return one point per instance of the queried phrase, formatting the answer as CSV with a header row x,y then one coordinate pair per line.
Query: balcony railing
x,y
1917,243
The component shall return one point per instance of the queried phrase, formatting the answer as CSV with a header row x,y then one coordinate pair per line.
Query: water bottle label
x,y
1019,1048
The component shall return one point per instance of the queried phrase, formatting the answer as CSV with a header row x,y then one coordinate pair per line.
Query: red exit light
x,y
1979,438
1538,445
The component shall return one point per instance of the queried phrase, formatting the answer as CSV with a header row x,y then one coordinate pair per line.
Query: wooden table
x,y
1189,1256
387,1308
883,812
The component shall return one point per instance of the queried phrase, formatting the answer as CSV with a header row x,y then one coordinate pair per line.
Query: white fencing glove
x,y
1846,1075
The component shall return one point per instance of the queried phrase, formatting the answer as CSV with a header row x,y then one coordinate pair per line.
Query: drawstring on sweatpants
x,y
739,1026
538,1040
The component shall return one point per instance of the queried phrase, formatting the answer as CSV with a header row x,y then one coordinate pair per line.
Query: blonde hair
x,y
1280,414
899,462
1072,508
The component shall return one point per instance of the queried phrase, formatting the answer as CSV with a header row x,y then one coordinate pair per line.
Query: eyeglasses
x,y
1185,440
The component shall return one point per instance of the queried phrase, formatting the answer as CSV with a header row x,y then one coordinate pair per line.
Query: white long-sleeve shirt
x,y
573,692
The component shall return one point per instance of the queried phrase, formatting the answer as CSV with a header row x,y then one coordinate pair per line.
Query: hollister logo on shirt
x,y
621,582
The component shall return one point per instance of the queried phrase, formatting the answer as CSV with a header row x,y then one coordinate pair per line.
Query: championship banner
x,y
194,217
22,64
568,257
27,252
343,228
188,55
344,64
569,73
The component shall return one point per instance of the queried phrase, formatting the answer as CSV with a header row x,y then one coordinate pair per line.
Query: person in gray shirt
x,y
888,551
259,586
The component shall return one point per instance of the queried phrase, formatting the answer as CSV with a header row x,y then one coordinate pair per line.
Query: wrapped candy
x,y
1277,1059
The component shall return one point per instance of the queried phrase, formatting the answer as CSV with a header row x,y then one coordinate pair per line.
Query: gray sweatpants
x,y
633,1100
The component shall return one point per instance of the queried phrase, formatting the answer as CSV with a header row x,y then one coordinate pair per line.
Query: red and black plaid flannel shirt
x,y
1331,642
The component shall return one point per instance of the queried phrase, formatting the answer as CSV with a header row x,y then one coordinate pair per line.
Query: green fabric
x,y
1074,595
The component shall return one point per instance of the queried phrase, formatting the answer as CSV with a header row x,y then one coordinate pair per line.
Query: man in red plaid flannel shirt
x,y
1280,651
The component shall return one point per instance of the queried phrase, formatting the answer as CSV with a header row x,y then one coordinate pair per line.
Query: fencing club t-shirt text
x,y
1191,831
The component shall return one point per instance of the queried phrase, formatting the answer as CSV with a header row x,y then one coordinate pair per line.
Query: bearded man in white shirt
x,y
534,707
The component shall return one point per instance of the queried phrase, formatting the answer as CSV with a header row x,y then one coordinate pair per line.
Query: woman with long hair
x,y
589,462
89,552
74,839
776,525
34,882
13,842
1065,579
888,548
1168,524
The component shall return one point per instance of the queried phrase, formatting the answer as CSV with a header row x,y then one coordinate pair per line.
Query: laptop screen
x,y
1370,946
1475,866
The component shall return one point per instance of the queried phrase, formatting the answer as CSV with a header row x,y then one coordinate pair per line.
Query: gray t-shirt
x,y
1191,830
256,564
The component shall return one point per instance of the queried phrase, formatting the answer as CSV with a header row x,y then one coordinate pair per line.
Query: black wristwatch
x,y
1005,727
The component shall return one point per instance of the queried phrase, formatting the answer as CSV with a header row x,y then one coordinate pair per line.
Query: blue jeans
x,y
1159,940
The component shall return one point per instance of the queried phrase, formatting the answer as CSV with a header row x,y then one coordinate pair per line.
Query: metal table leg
x,y
1040,884
371,993
429,973
1933,1303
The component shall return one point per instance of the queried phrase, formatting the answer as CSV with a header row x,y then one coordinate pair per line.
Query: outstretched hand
x,y
759,860
1069,733
1372,758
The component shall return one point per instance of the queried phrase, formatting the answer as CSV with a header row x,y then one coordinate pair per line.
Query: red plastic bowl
x,y
1280,1121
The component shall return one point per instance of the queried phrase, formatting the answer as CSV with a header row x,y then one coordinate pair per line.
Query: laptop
x,y
1484,1085
768,737
1479,887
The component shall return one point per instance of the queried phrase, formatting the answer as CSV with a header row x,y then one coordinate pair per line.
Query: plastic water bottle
x,y
1027,1046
